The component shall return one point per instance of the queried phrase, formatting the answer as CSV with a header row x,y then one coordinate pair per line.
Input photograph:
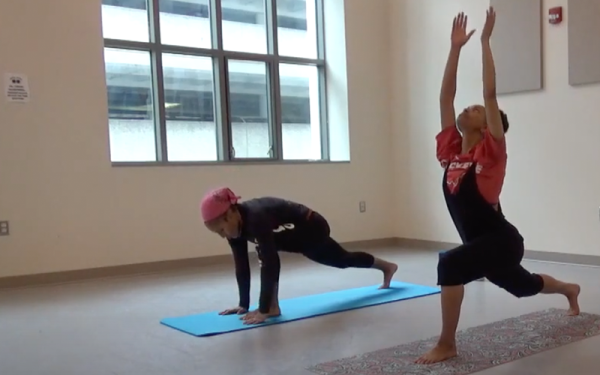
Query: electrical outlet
x,y
362,206
4,228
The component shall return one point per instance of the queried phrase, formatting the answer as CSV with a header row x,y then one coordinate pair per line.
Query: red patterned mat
x,y
480,348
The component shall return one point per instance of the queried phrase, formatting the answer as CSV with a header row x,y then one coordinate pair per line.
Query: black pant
x,y
331,253
496,256
315,243
319,247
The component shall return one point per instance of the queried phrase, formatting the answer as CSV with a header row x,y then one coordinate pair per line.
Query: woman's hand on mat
x,y
490,21
236,310
254,317
460,36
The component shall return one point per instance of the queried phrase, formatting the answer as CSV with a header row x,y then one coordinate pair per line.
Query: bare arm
x,y
448,91
492,110
459,38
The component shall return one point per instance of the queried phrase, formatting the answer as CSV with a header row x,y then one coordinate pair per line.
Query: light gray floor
x,y
109,327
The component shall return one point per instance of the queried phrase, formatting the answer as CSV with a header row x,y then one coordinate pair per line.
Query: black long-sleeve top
x,y
274,224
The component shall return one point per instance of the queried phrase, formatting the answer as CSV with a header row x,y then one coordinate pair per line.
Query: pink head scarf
x,y
216,202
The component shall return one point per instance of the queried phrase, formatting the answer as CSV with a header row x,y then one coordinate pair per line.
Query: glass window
x,y
244,26
189,108
185,23
249,115
130,105
214,80
297,28
132,13
300,112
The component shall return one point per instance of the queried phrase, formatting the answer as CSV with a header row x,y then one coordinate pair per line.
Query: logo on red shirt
x,y
457,170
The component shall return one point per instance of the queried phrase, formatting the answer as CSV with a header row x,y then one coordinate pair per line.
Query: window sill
x,y
224,163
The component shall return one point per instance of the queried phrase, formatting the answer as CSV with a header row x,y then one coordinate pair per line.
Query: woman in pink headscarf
x,y
276,224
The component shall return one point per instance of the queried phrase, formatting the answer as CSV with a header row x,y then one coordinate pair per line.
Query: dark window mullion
x,y
158,80
220,85
273,83
323,108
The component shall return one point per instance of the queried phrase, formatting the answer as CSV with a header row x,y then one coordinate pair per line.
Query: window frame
x,y
221,93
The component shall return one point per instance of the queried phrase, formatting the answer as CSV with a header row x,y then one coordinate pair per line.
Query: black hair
x,y
505,123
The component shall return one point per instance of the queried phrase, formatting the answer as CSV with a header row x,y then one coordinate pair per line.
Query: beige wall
x,y
552,191
69,209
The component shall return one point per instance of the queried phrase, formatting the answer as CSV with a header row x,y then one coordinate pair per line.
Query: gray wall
x,y
517,45
584,41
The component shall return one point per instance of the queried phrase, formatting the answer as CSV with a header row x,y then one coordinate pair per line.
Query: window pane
x,y
185,23
297,28
300,111
130,105
244,27
189,108
249,109
125,20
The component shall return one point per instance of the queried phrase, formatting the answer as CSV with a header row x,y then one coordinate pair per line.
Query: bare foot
x,y
438,354
274,312
388,273
573,297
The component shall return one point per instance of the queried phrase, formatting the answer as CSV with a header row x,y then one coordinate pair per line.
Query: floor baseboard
x,y
52,278
179,264
62,277
540,256
577,259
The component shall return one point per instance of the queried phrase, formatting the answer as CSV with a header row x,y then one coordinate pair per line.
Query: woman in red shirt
x,y
475,166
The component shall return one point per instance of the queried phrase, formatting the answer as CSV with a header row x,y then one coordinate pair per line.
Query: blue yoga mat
x,y
211,324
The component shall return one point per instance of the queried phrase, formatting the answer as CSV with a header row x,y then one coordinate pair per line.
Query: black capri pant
x,y
496,256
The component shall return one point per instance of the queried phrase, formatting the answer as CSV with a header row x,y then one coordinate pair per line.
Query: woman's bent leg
x,y
332,254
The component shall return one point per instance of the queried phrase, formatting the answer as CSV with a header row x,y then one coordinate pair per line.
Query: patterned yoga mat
x,y
480,348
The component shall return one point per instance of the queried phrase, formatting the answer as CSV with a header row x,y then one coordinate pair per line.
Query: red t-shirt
x,y
489,155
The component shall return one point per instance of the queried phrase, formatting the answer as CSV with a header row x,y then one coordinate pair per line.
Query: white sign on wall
x,y
17,87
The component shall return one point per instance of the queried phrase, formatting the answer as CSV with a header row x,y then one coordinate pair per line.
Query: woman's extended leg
x,y
331,253
489,256
521,283
479,258
569,290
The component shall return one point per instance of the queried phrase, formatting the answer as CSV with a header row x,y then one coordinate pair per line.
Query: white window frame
x,y
220,57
